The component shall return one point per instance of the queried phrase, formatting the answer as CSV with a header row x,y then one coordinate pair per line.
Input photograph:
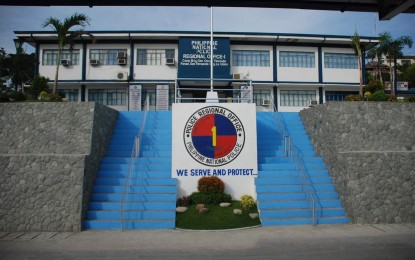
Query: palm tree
x,y
66,37
392,49
358,51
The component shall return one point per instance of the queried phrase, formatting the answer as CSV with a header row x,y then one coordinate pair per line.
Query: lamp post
x,y
16,63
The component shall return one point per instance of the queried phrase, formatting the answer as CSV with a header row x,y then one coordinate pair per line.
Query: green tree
x,y
409,75
16,69
358,51
392,49
375,55
65,36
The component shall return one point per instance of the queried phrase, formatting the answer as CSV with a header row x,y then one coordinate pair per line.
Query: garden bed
x,y
217,218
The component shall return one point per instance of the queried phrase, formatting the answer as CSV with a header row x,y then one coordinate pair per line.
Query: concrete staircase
x,y
282,199
150,196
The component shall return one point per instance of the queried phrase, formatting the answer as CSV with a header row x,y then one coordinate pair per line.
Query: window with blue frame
x,y
250,58
154,56
340,61
72,95
109,97
49,56
296,98
105,56
297,59
260,95
339,95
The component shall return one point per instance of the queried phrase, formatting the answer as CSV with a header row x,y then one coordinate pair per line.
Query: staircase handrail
x,y
292,152
135,153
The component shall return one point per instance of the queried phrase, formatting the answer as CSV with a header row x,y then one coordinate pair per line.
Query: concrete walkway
x,y
289,242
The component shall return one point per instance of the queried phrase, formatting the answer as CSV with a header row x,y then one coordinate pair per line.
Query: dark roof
x,y
386,9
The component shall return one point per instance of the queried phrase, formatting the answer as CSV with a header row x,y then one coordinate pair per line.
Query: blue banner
x,y
194,58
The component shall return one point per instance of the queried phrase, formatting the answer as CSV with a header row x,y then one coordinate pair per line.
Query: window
x,y
151,93
297,59
261,94
250,58
340,61
50,56
339,95
106,57
110,97
154,56
296,98
70,94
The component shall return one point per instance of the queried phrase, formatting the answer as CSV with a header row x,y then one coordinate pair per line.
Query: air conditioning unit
x,y
237,76
312,103
122,61
121,55
169,61
122,75
94,62
265,102
65,62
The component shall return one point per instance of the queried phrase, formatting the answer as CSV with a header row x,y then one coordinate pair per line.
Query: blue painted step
x,y
281,194
149,201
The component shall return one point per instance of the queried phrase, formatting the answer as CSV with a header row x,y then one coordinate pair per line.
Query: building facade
x,y
123,69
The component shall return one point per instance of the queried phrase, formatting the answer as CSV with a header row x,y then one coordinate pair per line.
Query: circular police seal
x,y
214,136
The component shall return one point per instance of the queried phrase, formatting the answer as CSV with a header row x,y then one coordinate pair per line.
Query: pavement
x,y
348,241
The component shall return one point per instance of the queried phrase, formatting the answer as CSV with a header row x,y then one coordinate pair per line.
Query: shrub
x,y
43,96
354,98
247,202
39,84
391,98
411,99
4,98
183,201
55,97
209,198
373,86
210,184
17,96
379,96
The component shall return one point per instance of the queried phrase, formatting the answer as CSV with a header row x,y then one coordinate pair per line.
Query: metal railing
x,y
292,152
242,95
135,153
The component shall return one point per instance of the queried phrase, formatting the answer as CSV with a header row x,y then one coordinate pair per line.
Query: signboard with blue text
x,y
194,58
215,140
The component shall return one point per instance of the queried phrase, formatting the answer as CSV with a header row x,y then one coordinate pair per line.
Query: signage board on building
x,y
215,140
401,85
134,98
162,97
246,95
194,57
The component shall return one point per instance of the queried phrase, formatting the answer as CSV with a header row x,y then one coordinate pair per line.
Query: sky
x,y
198,19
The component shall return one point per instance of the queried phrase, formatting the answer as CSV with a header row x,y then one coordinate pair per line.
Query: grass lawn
x,y
216,218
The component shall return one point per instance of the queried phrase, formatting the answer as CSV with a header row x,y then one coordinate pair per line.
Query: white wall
x,y
255,73
340,75
297,74
73,72
155,72
107,72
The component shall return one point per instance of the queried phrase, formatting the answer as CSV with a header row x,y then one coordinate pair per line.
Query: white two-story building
x,y
122,69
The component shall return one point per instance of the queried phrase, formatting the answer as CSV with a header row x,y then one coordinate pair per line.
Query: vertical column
x,y
84,45
275,91
320,94
320,65
37,58
274,63
131,76
364,66
83,91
